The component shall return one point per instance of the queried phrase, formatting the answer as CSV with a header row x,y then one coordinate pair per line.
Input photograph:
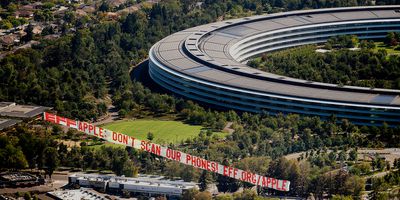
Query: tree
x,y
204,180
205,195
5,24
332,157
29,34
278,168
129,170
27,196
295,177
188,173
353,155
354,186
104,7
303,181
224,197
341,197
51,161
247,194
342,156
12,158
391,39
396,163
150,136
74,158
189,194
378,163
227,184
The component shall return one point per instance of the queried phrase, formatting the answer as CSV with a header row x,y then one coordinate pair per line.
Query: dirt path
x,y
228,128
112,115
381,174
112,111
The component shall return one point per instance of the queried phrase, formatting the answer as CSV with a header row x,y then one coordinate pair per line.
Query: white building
x,y
145,184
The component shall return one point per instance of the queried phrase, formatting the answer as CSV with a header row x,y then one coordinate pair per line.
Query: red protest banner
x,y
119,138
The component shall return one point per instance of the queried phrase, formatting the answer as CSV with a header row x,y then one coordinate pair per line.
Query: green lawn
x,y
390,50
164,131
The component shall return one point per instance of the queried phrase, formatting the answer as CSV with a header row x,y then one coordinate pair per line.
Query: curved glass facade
x,y
230,96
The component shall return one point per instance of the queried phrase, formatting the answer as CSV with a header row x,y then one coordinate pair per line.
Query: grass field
x,y
164,131
390,50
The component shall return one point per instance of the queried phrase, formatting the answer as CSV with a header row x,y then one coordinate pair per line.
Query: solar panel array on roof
x,y
288,21
213,46
177,37
219,39
168,46
239,30
317,18
171,55
354,15
197,69
384,99
264,25
216,75
215,54
184,63
386,13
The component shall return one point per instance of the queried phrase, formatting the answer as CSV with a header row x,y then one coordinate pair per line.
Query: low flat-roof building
x,y
11,113
82,193
4,123
17,179
143,184
10,109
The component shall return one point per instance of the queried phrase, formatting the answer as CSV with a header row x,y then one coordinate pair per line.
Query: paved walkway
x,y
228,128
112,116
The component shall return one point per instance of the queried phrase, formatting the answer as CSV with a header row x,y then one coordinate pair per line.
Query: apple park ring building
x,y
207,64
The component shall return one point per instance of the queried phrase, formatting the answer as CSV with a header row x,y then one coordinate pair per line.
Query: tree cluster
x,y
30,148
381,185
365,67
392,39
